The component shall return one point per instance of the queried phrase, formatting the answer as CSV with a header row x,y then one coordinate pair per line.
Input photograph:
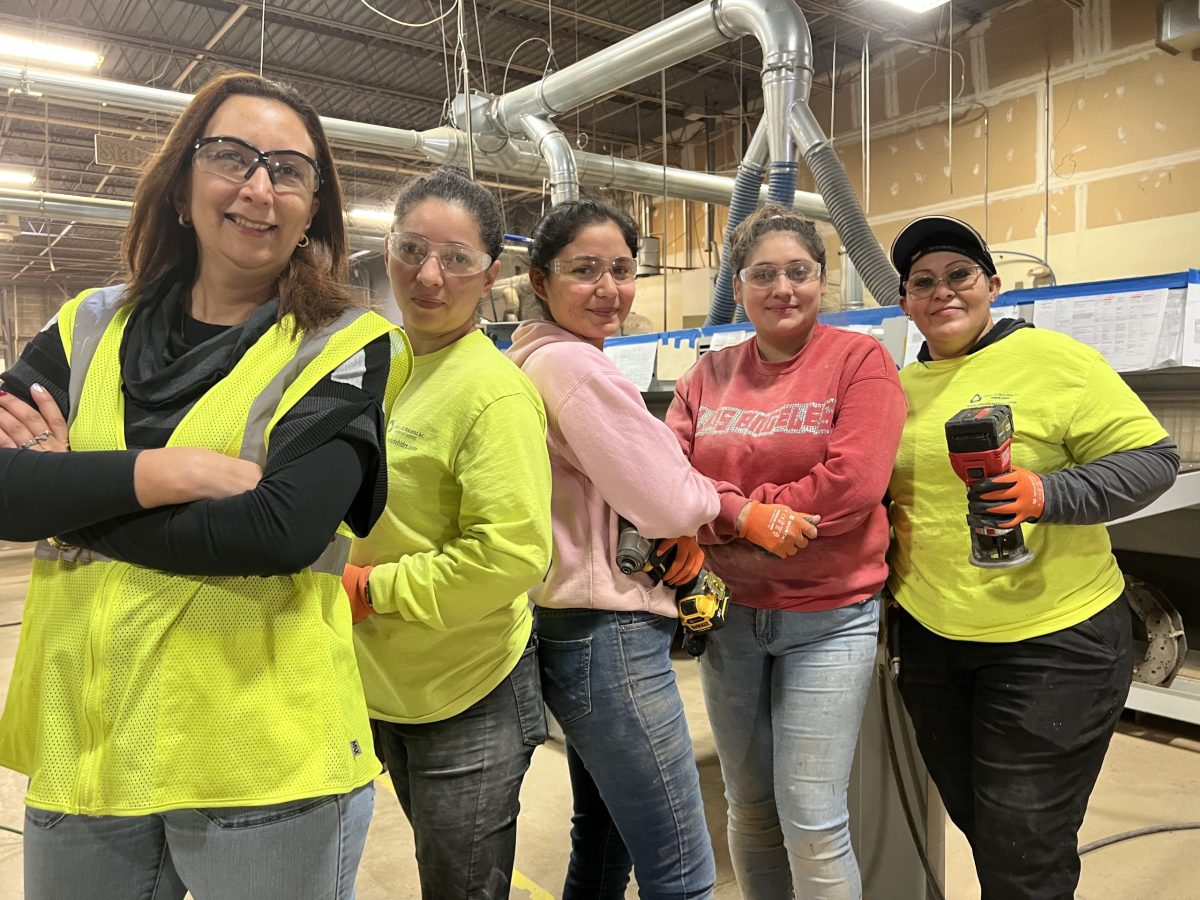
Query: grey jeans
x,y
303,850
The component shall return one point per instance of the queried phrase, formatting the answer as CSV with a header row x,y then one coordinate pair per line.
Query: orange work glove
x,y
688,561
355,581
778,529
1012,498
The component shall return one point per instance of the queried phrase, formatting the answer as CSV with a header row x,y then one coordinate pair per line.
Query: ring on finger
x,y
36,439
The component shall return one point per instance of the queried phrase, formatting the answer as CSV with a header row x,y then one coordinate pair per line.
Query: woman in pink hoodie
x,y
604,638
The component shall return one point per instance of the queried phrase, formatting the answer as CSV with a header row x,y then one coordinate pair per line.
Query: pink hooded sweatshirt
x,y
608,456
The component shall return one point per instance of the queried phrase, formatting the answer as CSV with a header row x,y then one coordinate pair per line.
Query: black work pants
x,y
1013,735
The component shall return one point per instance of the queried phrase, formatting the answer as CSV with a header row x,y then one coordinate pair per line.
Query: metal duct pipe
x,y
36,82
520,159
852,284
745,199
782,32
102,211
778,26
555,149
673,40
440,144
847,216
93,210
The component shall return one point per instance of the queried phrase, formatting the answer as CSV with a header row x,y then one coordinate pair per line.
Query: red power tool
x,y
980,444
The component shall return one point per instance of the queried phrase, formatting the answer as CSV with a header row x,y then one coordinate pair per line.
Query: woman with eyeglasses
x,y
445,636
796,427
185,699
604,638
1014,676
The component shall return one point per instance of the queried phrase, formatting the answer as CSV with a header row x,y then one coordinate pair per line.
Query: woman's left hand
x,y
42,428
1017,496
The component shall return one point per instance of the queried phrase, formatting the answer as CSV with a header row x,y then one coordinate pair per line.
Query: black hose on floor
x,y
1138,832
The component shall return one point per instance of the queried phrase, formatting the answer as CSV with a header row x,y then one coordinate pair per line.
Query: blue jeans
x,y
608,680
459,782
785,693
303,850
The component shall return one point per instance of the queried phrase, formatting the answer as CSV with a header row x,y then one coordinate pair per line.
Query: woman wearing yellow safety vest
x,y
185,699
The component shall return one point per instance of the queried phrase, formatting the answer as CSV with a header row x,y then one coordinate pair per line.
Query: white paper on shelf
x,y
723,339
1124,327
913,339
1169,350
636,361
674,359
912,343
1191,327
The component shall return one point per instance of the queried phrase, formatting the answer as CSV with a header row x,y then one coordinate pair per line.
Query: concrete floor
x,y
1151,776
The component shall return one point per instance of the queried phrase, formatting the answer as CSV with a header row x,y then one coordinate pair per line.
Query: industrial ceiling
x,y
353,63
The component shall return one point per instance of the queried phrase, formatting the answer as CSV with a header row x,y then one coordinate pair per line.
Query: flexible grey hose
x,y
847,216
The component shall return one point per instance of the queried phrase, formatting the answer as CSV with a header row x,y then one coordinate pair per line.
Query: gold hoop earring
x,y
303,241
184,223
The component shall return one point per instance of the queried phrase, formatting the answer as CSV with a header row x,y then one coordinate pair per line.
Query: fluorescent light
x,y
919,6
371,216
25,49
16,176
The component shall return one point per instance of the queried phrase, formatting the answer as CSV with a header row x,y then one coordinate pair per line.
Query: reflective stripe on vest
x,y
91,315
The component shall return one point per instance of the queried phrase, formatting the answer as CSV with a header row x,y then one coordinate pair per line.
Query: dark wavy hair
x,y
312,286
560,226
769,218
452,185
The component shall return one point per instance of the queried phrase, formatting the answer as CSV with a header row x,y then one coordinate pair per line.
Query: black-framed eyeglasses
x,y
290,171
590,269
765,275
958,278
455,259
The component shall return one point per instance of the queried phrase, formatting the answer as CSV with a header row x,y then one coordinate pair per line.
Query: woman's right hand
x,y
41,428
776,528
170,475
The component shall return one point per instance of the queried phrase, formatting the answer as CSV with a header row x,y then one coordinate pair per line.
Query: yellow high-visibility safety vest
x,y
137,691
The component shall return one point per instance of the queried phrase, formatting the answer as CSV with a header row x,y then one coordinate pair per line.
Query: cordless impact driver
x,y
701,602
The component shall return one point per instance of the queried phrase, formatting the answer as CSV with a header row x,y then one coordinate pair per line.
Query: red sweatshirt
x,y
818,433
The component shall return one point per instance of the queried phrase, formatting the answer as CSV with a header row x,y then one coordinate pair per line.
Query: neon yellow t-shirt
x,y
465,534
1069,408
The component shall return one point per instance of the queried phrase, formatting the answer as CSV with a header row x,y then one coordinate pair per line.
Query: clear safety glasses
x,y
455,259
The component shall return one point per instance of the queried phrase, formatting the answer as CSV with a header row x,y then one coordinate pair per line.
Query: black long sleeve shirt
x,y
325,465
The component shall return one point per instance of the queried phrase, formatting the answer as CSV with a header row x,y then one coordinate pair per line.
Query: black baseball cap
x,y
929,234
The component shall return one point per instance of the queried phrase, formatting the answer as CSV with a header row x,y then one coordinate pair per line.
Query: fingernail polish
x,y
38,389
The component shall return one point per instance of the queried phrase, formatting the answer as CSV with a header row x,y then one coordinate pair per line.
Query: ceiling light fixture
x,y
919,6
25,49
369,216
16,176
